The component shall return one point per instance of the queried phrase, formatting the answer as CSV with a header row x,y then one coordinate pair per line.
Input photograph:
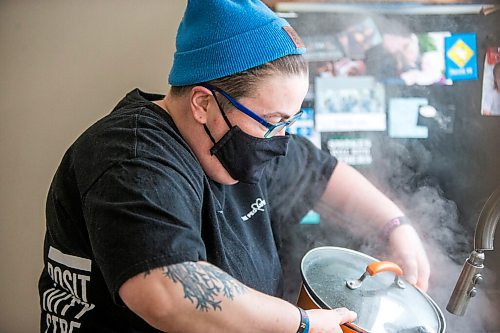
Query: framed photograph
x,y
490,104
358,38
345,104
406,58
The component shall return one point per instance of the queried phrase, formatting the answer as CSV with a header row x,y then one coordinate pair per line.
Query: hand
x,y
408,251
328,321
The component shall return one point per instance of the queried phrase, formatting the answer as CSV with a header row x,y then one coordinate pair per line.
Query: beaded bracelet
x,y
304,322
389,227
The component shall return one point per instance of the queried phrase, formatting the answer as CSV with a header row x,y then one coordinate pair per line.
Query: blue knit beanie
x,y
217,38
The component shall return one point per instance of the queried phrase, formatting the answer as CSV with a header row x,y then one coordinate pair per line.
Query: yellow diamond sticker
x,y
460,53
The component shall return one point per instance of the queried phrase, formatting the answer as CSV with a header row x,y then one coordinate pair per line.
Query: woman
x,y
165,214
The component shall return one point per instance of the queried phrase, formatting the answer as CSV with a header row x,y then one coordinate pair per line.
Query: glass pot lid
x,y
338,277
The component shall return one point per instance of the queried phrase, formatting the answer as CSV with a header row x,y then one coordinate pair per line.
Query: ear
x,y
199,101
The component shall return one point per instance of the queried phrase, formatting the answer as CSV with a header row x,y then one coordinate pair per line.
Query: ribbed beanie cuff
x,y
257,37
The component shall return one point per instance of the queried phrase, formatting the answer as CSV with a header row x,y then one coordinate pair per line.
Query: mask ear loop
x,y
228,123
208,132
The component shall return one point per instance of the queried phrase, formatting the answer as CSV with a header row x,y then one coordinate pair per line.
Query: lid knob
x,y
375,268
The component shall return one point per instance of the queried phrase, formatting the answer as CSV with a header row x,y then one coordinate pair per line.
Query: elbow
x,y
151,301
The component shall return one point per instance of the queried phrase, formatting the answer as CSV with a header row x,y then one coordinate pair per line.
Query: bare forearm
x,y
350,196
199,297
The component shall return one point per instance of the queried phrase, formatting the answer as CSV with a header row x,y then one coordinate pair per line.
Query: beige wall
x,y
63,64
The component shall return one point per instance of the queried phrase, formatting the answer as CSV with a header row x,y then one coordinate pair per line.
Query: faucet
x,y
465,287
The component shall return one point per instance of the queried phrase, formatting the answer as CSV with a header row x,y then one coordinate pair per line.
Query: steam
x,y
402,170
448,243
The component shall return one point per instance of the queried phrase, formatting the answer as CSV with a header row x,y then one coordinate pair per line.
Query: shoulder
x,y
302,148
302,157
134,137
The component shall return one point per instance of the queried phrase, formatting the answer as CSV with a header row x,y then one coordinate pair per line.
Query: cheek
x,y
217,126
246,124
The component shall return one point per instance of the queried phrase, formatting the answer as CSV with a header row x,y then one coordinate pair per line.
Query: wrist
x,y
304,321
391,225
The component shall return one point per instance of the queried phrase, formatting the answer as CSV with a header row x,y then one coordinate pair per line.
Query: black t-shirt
x,y
130,196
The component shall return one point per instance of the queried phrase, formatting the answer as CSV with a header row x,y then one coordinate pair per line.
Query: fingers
x,y
406,246
417,268
424,272
329,320
345,315
410,268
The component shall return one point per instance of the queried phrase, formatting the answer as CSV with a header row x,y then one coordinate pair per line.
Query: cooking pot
x,y
334,277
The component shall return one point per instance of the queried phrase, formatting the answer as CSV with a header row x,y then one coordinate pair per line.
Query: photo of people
x,y
357,39
321,69
408,58
429,67
385,49
349,67
491,83
340,67
349,103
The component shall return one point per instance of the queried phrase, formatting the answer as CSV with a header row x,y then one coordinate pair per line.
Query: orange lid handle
x,y
383,266
351,328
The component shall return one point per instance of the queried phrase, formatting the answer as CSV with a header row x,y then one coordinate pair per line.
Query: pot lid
x,y
338,277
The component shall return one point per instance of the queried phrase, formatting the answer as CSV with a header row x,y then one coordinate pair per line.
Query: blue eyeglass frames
x,y
272,129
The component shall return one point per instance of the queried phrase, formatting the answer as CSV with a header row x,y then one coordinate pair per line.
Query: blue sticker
x,y
308,114
305,131
461,57
310,218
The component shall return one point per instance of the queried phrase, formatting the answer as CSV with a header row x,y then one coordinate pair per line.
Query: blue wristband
x,y
304,322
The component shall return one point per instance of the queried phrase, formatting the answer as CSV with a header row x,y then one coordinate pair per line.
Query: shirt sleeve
x,y
298,180
141,215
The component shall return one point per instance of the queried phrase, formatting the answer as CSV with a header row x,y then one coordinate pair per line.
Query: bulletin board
x,y
397,116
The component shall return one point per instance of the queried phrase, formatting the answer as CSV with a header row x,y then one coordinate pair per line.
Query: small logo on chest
x,y
258,205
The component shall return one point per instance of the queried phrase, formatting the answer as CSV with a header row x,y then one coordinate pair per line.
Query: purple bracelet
x,y
389,227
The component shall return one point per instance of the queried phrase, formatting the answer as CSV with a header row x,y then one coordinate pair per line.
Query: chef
x,y
168,209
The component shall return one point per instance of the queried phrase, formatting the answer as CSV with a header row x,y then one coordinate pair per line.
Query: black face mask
x,y
245,156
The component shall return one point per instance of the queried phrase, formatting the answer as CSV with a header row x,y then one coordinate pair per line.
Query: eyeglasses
x,y
272,129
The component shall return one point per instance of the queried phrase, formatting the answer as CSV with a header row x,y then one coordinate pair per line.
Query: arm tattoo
x,y
203,283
